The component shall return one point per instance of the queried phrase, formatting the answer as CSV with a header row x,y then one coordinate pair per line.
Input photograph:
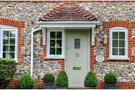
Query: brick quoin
x,y
19,25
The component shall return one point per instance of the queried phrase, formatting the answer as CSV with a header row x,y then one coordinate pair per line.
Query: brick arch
x,y
19,25
117,23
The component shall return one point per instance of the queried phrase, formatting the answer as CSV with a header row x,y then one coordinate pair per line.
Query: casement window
x,y
8,42
118,43
55,44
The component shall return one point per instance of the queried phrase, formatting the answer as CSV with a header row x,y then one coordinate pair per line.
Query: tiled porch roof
x,y
69,12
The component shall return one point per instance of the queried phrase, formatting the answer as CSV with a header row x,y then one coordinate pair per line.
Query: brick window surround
x,y
131,41
19,25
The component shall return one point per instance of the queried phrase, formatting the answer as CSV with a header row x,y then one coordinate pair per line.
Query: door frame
x,y
88,52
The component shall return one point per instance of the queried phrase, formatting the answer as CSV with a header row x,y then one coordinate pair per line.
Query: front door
x,y
77,58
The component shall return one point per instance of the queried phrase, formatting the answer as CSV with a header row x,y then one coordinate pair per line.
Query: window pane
x,y
6,34
121,35
58,51
115,43
52,51
121,43
5,40
52,43
12,48
121,51
12,33
59,35
59,43
5,48
5,55
115,51
77,43
115,35
12,40
12,55
52,35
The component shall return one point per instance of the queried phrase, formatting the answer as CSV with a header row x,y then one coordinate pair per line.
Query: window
x,y
118,43
8,42
55,45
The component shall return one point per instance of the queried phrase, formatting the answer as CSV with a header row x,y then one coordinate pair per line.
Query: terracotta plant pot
x,y
61,87
90,87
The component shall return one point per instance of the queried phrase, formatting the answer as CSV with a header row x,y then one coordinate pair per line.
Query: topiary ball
x,y
90,80
110,78
26,81
48,78
62,79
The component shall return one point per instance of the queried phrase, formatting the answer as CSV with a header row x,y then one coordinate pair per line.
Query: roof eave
x,y
82,24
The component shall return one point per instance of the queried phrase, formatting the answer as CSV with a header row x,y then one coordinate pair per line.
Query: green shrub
x,y
48,78
26,81
90,80
62,79
110,78
7,71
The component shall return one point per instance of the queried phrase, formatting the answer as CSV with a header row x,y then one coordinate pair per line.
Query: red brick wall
x,y
39,84
67,1
19,25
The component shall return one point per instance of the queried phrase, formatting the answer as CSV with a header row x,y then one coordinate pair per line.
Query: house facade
x,y
76,36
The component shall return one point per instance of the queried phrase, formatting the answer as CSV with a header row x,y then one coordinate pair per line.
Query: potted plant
x,y
110,81
90,81
49,81
26,81
62,80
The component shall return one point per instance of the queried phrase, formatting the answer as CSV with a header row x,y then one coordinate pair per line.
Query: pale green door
x,y
77,61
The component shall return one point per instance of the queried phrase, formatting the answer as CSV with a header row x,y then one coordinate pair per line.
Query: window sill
x,y
54,57
118,58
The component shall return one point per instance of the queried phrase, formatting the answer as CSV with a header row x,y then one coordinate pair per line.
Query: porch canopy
x,y
66,16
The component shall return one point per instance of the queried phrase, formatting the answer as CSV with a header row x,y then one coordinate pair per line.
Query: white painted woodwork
x,y
44,35
76,77
93,37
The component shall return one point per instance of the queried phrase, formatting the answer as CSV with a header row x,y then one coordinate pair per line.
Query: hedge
x,y
7,71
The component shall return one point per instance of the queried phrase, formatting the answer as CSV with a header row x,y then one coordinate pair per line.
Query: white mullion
x,y
9,45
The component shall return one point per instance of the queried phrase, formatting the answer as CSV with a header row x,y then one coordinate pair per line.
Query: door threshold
x,y
75,87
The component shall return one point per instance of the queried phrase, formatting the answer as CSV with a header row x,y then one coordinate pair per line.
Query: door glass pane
x,y
52,43
115,51
12,33
52,35
121,43
58,51
115,43
5,48
6,34
5,40
121,35
59,35
52,51
122,51
115,35
59,43
77,43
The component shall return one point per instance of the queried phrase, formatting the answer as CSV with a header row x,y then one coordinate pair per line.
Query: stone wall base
x,y
39,84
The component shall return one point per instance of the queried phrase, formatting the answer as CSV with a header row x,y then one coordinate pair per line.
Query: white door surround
x,y
77,58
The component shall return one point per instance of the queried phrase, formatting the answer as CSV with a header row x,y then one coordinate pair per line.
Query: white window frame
x,y
62,56
8,28
115,57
